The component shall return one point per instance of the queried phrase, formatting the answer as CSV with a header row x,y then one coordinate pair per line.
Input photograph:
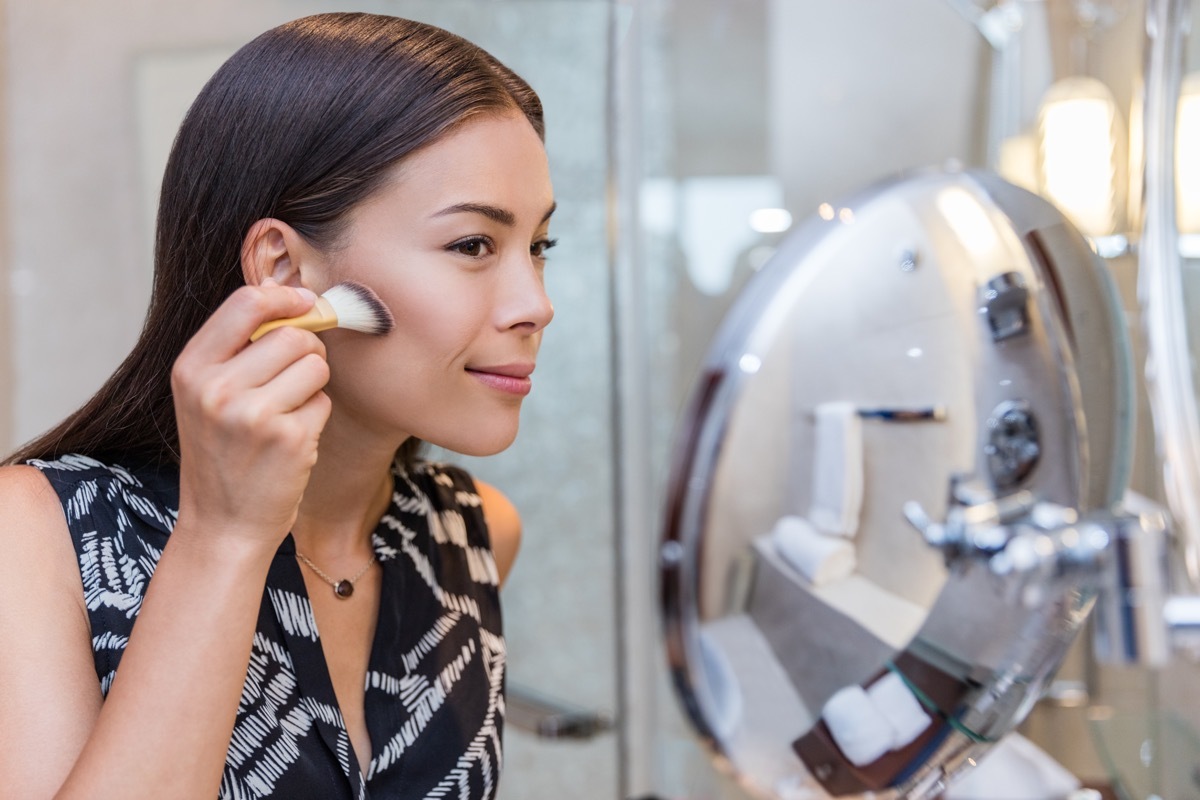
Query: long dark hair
x,y
300,124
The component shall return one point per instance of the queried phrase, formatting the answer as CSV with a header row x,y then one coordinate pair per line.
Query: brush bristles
x,y
359,309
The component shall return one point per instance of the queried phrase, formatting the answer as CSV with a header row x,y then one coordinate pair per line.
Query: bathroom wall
x,y
860,91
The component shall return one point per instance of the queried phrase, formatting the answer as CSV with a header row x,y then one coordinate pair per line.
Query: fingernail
x,y
269,282
308,295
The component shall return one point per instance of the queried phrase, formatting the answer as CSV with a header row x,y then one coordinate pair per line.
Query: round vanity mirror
x,y
893,488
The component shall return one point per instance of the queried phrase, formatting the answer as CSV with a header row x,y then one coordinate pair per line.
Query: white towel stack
x,y
900,707
837,486
866,723
857,726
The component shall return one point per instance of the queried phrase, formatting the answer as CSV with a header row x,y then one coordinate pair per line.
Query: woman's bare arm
x,y
165,727
249,420
49,691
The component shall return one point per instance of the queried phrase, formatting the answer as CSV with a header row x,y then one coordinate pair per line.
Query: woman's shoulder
x,y
27,499
32,536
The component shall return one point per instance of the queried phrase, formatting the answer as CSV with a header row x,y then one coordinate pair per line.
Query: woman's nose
x,y
526,304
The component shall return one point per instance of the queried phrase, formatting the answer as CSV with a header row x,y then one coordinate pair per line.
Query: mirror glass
x,y
880,497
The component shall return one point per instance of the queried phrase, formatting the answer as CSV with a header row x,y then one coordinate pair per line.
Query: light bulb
x,y
1081,155
1187,157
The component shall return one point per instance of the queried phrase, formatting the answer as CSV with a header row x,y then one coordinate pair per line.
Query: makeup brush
x,y
344,305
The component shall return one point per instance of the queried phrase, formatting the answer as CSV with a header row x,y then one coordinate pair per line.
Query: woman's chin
x,y
476,443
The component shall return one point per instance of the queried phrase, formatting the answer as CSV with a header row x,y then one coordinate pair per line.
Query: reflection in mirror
x,y
894,487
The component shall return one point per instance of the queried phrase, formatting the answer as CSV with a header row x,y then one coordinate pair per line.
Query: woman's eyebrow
x,y
495,213
503,216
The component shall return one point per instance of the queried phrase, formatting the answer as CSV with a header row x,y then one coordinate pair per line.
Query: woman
x,y
336,147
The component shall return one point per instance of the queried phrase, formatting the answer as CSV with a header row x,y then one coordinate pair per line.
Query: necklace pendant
x,y
343,589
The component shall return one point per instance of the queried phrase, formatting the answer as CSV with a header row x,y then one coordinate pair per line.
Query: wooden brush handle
x,y
320,317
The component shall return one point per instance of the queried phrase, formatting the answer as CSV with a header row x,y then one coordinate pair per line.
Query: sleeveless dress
x,y
435,681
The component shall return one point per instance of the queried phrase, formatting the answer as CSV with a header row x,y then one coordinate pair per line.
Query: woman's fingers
x,y
262,361
216,368
249,412
313,413
228,330
295,384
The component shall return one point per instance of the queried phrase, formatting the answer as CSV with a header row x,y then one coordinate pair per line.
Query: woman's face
x,y
454,244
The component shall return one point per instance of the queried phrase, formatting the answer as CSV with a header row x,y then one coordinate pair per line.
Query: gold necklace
x,y
343,588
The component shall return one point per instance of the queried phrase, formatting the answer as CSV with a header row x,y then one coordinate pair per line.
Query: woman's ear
x,y
273,249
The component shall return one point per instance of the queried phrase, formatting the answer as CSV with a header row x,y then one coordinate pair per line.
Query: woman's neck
x,y
348,491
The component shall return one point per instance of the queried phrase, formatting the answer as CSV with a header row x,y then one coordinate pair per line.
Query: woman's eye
x,y
538,249
474,247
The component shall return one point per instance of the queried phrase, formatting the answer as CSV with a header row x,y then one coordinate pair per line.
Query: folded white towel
x,y
837,486
900,707
818,557
857,726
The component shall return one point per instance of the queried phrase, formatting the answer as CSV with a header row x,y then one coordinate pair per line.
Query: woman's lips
x,y
508,378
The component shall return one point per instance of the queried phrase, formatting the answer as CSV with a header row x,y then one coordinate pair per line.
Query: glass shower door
x,y
559,601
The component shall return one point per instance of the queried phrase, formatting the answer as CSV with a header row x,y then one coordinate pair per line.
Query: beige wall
x,y
79,244
6,325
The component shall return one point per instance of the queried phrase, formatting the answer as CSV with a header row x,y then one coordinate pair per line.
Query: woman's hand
x,y
249,417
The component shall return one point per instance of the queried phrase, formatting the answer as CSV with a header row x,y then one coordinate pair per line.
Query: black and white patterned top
x,y
435,681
